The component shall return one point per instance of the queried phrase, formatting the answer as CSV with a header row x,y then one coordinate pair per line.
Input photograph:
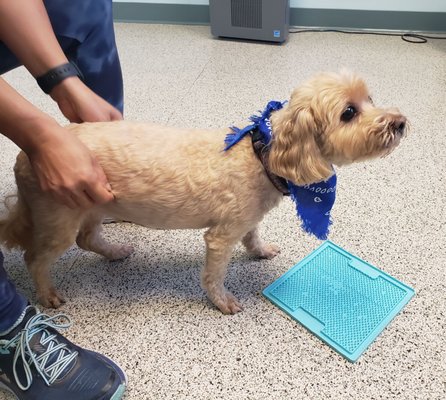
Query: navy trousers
x,y
84,29
12,303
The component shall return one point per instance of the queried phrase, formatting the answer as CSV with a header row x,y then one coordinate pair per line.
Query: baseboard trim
x,y
302,17
187,14
364,19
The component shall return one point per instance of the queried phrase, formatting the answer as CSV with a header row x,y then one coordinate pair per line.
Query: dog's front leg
x,y
219,246
257,247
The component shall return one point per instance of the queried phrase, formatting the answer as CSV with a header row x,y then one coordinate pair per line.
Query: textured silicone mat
x,y
342,299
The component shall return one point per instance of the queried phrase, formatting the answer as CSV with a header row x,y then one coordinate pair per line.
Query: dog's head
x,y
330,119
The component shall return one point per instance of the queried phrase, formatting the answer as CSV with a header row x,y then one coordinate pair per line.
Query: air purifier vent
x,y
246,13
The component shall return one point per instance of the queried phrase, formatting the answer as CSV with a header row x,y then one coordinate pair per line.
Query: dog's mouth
x,y
392,134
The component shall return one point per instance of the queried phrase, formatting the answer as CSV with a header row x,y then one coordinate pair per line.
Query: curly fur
x,y
169,178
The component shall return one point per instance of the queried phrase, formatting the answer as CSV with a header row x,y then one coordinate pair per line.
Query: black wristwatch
x,y
54,76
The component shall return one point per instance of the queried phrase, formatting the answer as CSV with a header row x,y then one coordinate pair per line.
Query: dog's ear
x,y
295,154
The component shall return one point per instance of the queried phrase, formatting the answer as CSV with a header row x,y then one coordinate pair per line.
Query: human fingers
x,y
66,200
82,200
115,115
105,112
62,197
80,104
99,193
99,188
68,111
102,113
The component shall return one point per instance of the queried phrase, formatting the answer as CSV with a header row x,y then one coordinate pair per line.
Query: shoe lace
x,y
47,367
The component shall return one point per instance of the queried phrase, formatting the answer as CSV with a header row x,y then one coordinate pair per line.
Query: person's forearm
x,y
20,121
25,28
63,165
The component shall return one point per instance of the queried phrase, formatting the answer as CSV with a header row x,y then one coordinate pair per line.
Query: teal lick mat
x,y
343,300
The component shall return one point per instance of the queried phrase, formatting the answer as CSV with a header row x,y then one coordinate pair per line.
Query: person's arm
x,y
63,165
26,29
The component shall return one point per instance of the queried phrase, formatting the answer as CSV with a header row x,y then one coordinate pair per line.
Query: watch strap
x,y
54,76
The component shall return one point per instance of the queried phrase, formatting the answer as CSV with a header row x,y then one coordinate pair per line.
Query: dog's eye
x,y
348,114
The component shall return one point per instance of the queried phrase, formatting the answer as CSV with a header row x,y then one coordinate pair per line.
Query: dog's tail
x,y
17,227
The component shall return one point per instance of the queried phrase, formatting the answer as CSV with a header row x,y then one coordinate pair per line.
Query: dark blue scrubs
x,y
84,29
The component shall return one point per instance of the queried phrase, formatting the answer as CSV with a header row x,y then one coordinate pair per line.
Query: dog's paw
x,y
267,251
117,252
228,304
50,298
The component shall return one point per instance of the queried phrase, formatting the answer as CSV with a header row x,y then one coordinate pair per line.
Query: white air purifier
x,y
264,20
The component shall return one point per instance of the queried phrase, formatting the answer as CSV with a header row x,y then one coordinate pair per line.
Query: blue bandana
x,y
314,201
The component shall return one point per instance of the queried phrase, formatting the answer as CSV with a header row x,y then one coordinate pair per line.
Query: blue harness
x,y
313,201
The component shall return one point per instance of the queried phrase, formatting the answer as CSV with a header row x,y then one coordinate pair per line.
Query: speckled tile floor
x,y
148,311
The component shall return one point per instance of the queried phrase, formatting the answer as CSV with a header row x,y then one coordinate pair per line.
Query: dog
x,y
168,178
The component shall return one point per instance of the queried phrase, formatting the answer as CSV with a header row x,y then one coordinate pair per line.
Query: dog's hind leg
x,y
89,238
219,246
52,234
257,248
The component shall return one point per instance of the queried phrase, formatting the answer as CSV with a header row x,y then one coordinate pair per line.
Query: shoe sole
x,y
116,396
8,389
119,392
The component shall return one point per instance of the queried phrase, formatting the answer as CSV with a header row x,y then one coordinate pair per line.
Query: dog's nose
x,y
400,126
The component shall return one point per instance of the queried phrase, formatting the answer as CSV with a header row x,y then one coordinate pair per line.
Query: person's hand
x,y
67,170
63,165
80,104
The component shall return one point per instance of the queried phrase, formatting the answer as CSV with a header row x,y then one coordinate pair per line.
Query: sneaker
x,y
37,362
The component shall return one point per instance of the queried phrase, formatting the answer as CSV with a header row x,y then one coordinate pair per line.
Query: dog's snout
x,y
399,125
